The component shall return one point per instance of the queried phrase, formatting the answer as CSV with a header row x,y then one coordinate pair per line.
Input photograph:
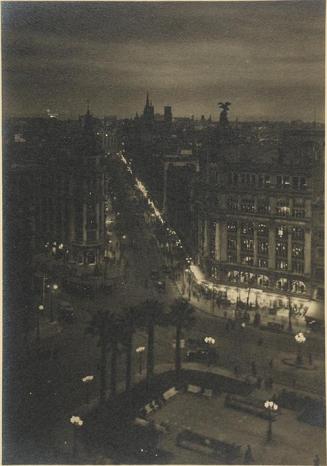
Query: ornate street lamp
x,y
300,340
140,350
40,309
52,289
271,407
77,422
87,381
210,341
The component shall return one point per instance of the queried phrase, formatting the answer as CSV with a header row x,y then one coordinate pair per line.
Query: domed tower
x,y
88,233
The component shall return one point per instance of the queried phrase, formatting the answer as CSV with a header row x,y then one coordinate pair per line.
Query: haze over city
x,y
267,58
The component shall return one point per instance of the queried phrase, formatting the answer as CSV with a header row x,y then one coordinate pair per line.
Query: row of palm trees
x,y
116,333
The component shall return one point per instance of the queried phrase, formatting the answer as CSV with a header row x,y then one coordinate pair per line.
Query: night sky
x,y
267,58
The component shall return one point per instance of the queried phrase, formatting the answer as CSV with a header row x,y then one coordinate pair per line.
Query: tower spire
x,y
147,98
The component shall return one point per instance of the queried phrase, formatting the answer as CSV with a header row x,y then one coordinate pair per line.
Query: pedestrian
x,y
253,368
248,457
271,363
271,382
236,371
316,460
225,314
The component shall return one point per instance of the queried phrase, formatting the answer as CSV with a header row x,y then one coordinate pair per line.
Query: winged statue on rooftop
x,y
223,118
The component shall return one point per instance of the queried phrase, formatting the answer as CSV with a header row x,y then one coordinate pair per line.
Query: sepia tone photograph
x,y
163,232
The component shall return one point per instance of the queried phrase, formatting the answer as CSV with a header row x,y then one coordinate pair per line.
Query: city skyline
x,y
267,59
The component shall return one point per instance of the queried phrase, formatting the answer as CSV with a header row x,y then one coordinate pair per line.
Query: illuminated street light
x,y
87,381
300,339
209,340
40,309
77,422
140,350
52,289
271,407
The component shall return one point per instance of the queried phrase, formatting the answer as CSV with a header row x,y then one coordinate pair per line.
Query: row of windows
x,y
263,207
280,181
281,231
280,264
262,247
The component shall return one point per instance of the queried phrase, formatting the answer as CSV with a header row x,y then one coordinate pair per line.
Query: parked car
x,y
209,356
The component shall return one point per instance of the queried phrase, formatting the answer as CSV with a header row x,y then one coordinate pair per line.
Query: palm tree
x,y
182,316
100,326
150,314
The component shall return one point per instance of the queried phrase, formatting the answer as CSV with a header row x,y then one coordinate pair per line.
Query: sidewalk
x,y
209,306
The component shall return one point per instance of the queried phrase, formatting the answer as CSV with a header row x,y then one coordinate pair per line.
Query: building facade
x,y
257,221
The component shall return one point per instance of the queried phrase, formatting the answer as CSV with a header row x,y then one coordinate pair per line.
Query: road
x,y
47,391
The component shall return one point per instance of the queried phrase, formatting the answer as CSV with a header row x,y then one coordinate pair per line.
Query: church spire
x,y
147,99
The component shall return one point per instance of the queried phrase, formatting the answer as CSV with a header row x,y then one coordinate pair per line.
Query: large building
x,y
259,225
64,187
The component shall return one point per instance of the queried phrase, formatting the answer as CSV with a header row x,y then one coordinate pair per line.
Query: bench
x,y
213,447
254,407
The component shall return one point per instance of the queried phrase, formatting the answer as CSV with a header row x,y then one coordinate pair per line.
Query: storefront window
x,y
281,264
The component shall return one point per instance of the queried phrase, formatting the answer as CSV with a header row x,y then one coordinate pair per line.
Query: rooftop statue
x,y
223,119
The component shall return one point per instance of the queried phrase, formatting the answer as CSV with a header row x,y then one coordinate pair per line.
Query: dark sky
x,y
267,58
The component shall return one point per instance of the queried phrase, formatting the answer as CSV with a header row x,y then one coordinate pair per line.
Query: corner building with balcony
x,y
255,219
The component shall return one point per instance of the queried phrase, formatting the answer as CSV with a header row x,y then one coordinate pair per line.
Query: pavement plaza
x,y
293,442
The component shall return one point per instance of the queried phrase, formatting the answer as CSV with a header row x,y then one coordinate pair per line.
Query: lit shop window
x,y
247,244
232,227
247,205
262,263
281,232
297,233
298,251
247,260
247,229
262,229
282,284
281,249
283,208
298,287
262,247
283,182
281,264
267,180
299,183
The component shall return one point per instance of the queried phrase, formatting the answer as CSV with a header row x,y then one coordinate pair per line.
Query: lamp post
x,y
188,272
87,380
290,312
210,341
40,308
140,350
77,422
213,299
52,289
300,339
270,407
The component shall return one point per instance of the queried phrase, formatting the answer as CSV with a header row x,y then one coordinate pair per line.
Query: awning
x,y
316,311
